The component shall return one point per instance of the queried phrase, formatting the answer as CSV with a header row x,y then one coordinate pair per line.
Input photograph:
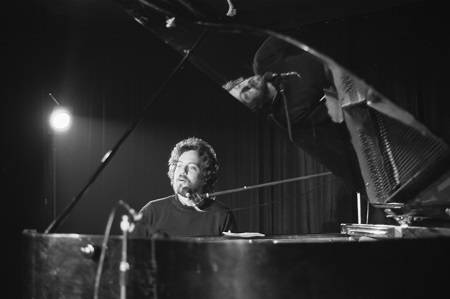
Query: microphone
x,y
186,192
131,211
276,77
196,198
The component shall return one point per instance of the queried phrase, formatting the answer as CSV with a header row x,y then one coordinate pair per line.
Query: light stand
x,y
53,170
60,121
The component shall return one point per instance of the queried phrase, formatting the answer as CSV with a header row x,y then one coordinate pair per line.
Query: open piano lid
x,y
403,164
237,28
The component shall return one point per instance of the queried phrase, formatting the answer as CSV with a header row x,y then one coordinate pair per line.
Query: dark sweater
x,y
168,215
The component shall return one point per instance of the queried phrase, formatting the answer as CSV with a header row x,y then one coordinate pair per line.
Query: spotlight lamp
x,y
60,119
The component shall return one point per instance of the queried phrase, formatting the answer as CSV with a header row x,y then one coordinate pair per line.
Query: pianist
x,y
306,110
193,168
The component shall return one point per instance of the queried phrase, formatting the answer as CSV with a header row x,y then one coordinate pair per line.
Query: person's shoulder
x,y
219,206
157,202
271,53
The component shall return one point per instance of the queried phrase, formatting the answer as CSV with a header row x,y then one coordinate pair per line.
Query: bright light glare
x,y
60,119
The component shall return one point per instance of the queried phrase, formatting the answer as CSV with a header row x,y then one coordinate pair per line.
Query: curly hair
x,y
208,160
232,83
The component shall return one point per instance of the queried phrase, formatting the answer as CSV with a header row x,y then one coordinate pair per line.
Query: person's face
x,y
252,92
188,173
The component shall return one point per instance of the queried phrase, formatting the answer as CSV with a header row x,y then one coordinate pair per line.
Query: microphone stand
x,y
108,156
246,188
125,226
286,111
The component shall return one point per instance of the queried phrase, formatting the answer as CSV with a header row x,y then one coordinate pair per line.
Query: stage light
x,y
60,119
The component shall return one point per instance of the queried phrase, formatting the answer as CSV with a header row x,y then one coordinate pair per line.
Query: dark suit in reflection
x,y
312,128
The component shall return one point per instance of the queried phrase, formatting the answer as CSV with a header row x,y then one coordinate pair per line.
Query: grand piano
x,y
404,165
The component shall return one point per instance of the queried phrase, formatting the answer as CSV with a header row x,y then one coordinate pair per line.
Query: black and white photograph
x,y
225,149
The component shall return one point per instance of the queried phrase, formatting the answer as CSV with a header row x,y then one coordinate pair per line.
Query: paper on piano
x,y
243,235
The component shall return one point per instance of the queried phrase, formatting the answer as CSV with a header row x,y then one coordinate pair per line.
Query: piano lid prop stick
x,y
358,202
367,211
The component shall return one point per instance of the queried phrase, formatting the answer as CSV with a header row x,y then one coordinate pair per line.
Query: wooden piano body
x,y
300,266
